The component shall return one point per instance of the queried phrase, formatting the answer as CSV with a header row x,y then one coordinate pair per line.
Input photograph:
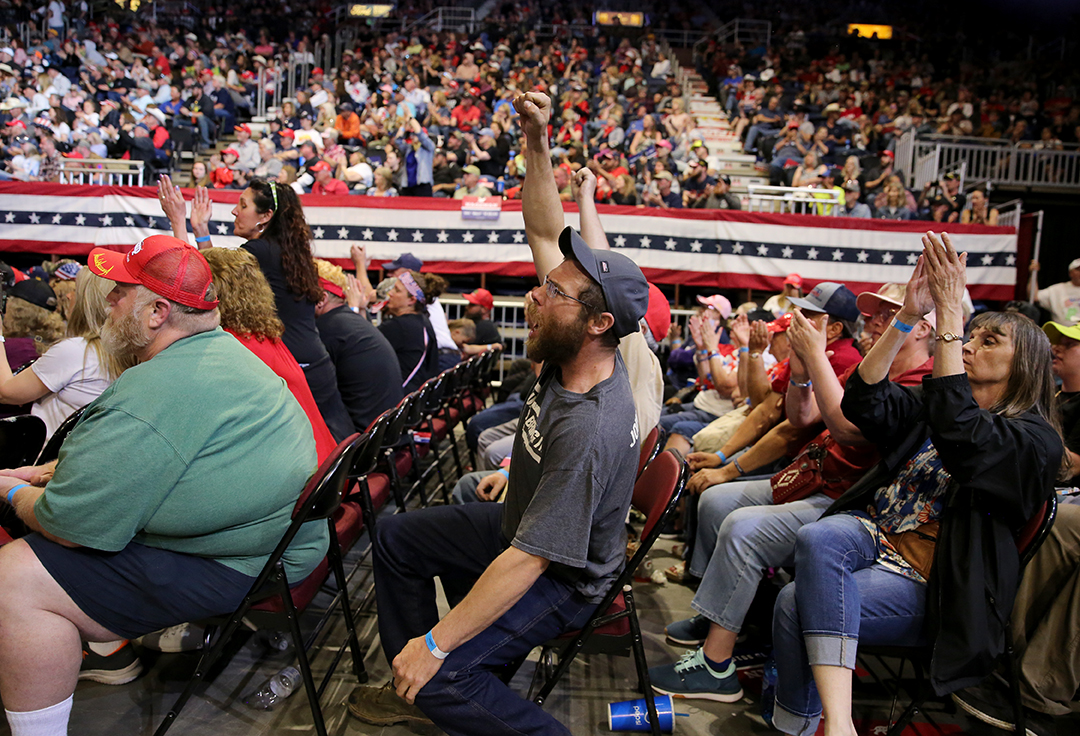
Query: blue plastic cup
x,y
633,715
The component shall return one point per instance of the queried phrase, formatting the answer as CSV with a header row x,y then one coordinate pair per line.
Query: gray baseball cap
x,y
625,289
835,300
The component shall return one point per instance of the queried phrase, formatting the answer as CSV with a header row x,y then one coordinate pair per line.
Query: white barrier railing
x,y
794,200
1001,162
102,171
508,314
1009,213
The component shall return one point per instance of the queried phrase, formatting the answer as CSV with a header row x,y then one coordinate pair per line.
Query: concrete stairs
x,y
725,150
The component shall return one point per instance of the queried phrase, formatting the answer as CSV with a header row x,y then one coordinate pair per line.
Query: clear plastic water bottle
x,y
278,641
276,689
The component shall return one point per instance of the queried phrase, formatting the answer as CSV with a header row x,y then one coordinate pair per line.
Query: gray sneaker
x,y
691,679
382,706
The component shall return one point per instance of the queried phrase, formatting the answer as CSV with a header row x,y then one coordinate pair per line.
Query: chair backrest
x,y
399,419
650,448
317,500
51,451
21,439
1033,533
368,454
658,489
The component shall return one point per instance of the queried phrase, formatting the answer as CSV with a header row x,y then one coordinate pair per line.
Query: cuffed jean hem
x,y
790,722
831,650
720,621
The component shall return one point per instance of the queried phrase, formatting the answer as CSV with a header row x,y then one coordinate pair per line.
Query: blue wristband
x,y
901,326
738,467
434,648
203,239
723,458
744,350
11,493
504,473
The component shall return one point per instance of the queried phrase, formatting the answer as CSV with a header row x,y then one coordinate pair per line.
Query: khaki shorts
x,y
716,434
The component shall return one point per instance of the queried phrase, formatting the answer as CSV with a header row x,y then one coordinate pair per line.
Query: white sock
x,y
51,721
106,648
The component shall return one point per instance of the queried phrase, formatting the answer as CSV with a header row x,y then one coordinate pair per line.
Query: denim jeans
x,y
465,489
754,132
456,544
493,416
840,596
740,535
690,417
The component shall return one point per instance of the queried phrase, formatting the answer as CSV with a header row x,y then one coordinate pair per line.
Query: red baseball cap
x,y
316,70
233,151
244,127
780,324
658,315
794,279
319,166
165,265
288,133
482,298
890,154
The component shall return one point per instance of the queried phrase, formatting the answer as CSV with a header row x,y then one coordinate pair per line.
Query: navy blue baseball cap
x,y
625,289
405,260
835,300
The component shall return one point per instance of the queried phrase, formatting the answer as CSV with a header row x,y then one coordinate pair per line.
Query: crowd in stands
x,y
936,432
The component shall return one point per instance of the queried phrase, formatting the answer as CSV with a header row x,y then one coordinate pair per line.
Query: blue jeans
x,y
840,596
754,132
465,489
693,421
740,535
456,544
491,417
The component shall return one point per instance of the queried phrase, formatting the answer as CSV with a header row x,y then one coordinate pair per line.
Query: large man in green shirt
x,y
168,496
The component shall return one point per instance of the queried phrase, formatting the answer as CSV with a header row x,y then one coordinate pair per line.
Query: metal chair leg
x,y
334,556
639,659
301,657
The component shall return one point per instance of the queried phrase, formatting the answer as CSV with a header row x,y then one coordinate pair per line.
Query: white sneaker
x,y
180,638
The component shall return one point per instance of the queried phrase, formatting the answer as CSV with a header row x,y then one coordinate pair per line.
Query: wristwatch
x,y
948,337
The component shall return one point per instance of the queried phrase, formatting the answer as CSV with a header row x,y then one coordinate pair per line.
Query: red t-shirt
x,y
334,186
280,361
465,119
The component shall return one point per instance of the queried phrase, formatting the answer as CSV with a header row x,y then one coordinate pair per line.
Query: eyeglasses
x,y
554,291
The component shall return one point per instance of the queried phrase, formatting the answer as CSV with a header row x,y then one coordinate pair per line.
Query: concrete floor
x,y
580,701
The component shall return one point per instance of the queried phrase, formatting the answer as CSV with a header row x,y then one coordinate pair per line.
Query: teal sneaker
x,y
690,678
690,632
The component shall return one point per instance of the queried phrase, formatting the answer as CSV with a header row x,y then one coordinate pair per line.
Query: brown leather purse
x,y
802,478
917,546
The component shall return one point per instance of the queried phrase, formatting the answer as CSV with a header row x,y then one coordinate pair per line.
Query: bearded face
x,y
125,336
550,340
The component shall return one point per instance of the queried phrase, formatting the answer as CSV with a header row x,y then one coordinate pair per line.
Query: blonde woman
x,y
75,370
384,178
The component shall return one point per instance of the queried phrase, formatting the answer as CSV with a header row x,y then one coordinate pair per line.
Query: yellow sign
x,y
868,30
612,18
370,11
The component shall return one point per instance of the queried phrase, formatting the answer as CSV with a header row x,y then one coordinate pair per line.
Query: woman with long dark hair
x,y
270,217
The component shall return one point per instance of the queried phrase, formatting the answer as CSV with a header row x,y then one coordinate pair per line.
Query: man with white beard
x,y
169,495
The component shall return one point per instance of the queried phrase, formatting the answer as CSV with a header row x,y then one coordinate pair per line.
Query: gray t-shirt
x,y
571,479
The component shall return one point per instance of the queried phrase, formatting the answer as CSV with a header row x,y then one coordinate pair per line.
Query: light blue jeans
x,y
840,596
740,535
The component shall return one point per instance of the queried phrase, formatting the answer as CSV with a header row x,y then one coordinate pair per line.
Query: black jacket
x,y
1004,469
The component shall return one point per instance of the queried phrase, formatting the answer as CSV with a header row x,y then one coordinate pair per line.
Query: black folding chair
x,y
1028,540
320,498
51,450
21,439
614,627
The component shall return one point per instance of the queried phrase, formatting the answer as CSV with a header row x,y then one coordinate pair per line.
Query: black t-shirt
x,y
298,315
500,155
446,174
364,361
486,332
406,335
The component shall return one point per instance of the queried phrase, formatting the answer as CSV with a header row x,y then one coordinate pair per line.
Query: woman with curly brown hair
x,y
409,330
270,217
247,311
